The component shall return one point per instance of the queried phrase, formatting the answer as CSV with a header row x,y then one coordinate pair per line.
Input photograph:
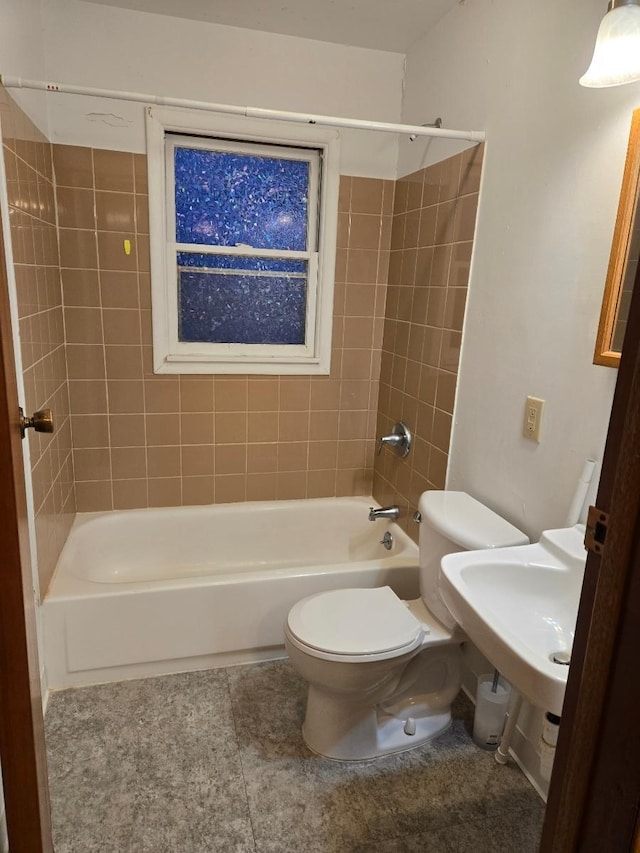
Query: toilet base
x,y
345,731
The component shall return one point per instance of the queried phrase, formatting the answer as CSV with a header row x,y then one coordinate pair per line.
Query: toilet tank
x,y
452,522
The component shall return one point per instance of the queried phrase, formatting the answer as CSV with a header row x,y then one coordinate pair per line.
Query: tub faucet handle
x,y
399,440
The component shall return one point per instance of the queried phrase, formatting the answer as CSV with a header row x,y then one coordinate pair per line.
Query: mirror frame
x,y
604,354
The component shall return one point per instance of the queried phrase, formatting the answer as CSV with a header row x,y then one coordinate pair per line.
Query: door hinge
x,y
595,536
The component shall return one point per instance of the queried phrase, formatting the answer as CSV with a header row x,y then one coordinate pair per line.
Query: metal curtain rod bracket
x,y
436,123
251,112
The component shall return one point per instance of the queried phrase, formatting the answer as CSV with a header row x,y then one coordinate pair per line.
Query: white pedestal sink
x,y
519,607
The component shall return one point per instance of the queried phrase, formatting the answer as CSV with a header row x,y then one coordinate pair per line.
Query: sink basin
x,y
519,607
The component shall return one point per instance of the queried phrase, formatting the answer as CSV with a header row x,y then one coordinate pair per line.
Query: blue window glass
x,y
226,198
241,262
231,300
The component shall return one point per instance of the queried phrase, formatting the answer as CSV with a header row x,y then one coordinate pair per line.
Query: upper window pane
x,y
225,198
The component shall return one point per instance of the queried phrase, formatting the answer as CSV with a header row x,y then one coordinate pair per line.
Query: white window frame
x,y
293,141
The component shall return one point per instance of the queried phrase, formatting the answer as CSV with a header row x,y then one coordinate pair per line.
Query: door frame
x,y
22,745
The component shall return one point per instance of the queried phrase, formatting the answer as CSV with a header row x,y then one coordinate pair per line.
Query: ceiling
x,y
392,25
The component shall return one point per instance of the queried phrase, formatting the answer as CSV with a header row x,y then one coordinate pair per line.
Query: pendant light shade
x,y
616,58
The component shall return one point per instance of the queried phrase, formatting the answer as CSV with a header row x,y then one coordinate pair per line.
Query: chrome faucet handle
x,y
399,440
391,440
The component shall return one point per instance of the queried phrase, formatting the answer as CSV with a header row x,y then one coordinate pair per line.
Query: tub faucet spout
x,y
384,512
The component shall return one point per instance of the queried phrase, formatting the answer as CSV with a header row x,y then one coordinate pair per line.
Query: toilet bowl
x,y
383,672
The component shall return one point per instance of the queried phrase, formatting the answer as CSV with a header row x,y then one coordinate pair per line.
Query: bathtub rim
x,y
66,585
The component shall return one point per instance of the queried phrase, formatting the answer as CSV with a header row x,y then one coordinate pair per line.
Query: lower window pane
x,y
241,306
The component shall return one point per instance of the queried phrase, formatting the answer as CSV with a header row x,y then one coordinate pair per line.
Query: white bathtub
x,y
145,592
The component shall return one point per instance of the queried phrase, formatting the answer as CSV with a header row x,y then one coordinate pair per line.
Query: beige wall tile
x,y
142,214
292,485
262,487
196,428
83,325
77,248
325,394
126,397
422,331
162,430
115,211
73,166
197,460
165,491
164,461
75,207
128,463
197,491
321,484
284,412
121,326
113,170
123,362
112,251
366,195
262,458
230,459
127,430
293,426
230,427
119,289
323,426
94,496
196,395
230,488
81,288
90,430
231,395
130,494
85,362
87,397
162,395
140,173
292,455
263,395
92,464
262,426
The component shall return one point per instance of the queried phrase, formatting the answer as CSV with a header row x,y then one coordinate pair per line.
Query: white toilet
x,y
383,672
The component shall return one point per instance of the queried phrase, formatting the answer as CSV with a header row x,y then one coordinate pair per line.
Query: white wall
x,y
22,52
101,46
553,167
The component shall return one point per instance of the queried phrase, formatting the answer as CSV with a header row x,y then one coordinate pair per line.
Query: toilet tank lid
x,y
468,523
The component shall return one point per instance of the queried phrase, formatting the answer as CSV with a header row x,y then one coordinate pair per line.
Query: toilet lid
x,y
354,622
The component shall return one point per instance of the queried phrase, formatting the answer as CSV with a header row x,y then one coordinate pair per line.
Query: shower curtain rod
x,y
250,112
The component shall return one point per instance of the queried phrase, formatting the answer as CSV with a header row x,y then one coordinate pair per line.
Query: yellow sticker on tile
x,y
127,247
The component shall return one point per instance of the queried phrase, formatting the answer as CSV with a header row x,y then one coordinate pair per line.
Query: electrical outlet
x,y
532,426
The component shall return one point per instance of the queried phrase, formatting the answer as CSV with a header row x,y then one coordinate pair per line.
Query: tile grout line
x,y
237,739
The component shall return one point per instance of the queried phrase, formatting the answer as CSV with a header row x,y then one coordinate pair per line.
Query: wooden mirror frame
x,y
604,352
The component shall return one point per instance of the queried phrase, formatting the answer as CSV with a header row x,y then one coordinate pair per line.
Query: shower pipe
x,y
476,136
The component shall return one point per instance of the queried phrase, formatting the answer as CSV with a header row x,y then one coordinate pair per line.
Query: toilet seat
x,y
354,625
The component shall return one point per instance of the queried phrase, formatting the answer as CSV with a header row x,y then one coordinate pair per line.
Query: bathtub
x,y
156,591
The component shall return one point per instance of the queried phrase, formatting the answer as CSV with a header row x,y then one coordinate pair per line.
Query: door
x,y
22,747
594,797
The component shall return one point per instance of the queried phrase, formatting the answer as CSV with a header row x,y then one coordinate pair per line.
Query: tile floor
x,y
213,762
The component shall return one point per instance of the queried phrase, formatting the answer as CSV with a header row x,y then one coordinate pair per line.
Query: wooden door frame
x,y
595,787
22,746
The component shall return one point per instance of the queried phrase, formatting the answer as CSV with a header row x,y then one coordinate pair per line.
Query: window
x,y
243,217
